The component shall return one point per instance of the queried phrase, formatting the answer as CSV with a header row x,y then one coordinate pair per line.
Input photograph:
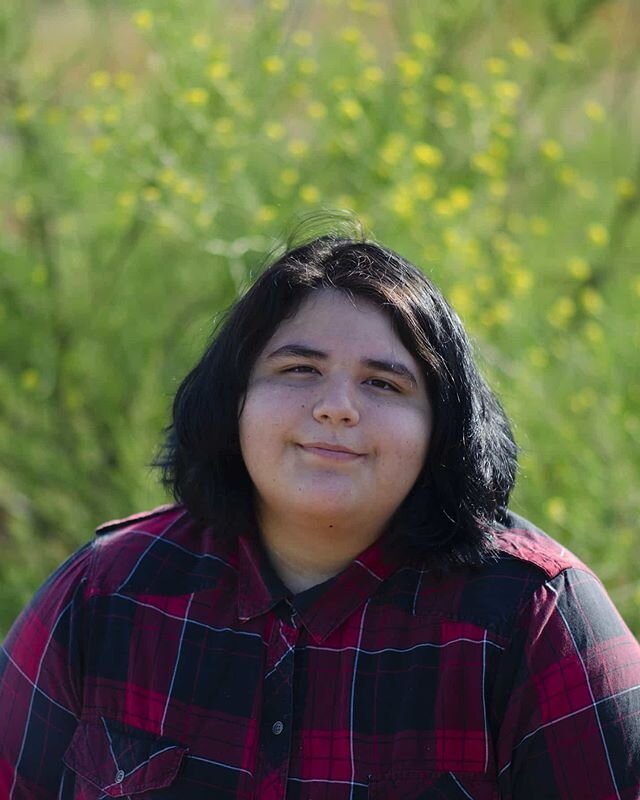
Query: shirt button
x,y
277,728
119,776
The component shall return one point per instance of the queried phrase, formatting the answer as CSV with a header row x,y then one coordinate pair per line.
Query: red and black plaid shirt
x,y
164,663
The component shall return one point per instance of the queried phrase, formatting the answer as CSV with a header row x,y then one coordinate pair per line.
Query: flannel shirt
x,y
162,662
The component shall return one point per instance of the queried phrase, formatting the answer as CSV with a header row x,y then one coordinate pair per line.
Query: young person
x,y
340,605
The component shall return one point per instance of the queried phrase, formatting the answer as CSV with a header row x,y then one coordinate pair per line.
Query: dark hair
x,y
463,489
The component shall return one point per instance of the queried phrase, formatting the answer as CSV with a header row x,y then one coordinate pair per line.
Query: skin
x,y
333,376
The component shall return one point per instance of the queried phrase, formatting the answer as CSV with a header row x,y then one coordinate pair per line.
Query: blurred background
x,y
152,152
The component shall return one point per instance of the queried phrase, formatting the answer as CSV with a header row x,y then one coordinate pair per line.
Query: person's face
x,y
336,419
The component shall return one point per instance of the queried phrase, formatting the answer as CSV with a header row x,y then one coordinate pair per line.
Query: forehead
x,y
341,321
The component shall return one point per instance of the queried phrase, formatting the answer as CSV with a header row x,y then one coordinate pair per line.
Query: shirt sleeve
x,y
570,727
41,684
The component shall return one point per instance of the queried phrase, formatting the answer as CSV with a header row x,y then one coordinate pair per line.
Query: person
x,y
340,603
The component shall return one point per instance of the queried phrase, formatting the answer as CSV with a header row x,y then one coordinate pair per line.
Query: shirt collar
x,y
323,608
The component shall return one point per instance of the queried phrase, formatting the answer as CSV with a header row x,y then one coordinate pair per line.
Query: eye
x,y
300,369
380,383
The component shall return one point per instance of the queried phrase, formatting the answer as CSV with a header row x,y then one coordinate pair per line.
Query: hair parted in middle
x,y
460,496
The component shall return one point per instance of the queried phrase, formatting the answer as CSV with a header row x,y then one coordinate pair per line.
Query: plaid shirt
x,y
164,663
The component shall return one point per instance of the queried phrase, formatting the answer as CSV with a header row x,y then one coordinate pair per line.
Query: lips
x,y
336,452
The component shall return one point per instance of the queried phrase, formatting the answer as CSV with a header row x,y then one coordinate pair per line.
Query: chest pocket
x,y
113,760
432,786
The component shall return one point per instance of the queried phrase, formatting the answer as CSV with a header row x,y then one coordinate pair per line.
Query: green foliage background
x,y
152,153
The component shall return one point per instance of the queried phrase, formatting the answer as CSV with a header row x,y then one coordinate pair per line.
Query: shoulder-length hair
x,y
462,492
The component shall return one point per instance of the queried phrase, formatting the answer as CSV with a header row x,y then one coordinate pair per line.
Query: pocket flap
x,y
121,760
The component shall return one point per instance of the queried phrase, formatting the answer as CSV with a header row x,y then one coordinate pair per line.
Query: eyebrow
x,y
381,364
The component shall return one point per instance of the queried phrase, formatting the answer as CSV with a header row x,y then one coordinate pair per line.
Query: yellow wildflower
x,y
402,202
446,118
111,115
593,332
204,218
427,155
350,108
410,68
218,70
289,176
423,41
126,199
309,193
507,90
89,114
224,126
373,74
273,65
598,234
594,111
100,144
366,51
197,195
583,400
462,299
424,187
317,110
563,52
278,5
274,130
504,129
460,198
551,149
521,281
444,83
625,187
538,357
496,66
266,214
520,48
586,189
100,79
143,19
39,275
200,40
302,38
539,226
124,80
483,162
168,177
498,189
556,510
351,35
299,89
339,85
307,66
591,300
393,149
561,312
30,379
410,98
443,207
578,268
196,96
298,148
23,206
567,175
24,112
472,94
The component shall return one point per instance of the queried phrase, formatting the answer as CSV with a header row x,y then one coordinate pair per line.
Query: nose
x,y
336,404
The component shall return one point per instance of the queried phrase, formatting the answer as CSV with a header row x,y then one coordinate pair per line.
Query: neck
x,y
305,555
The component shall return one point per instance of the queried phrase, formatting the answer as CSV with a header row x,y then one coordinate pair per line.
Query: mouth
x,y
334,452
